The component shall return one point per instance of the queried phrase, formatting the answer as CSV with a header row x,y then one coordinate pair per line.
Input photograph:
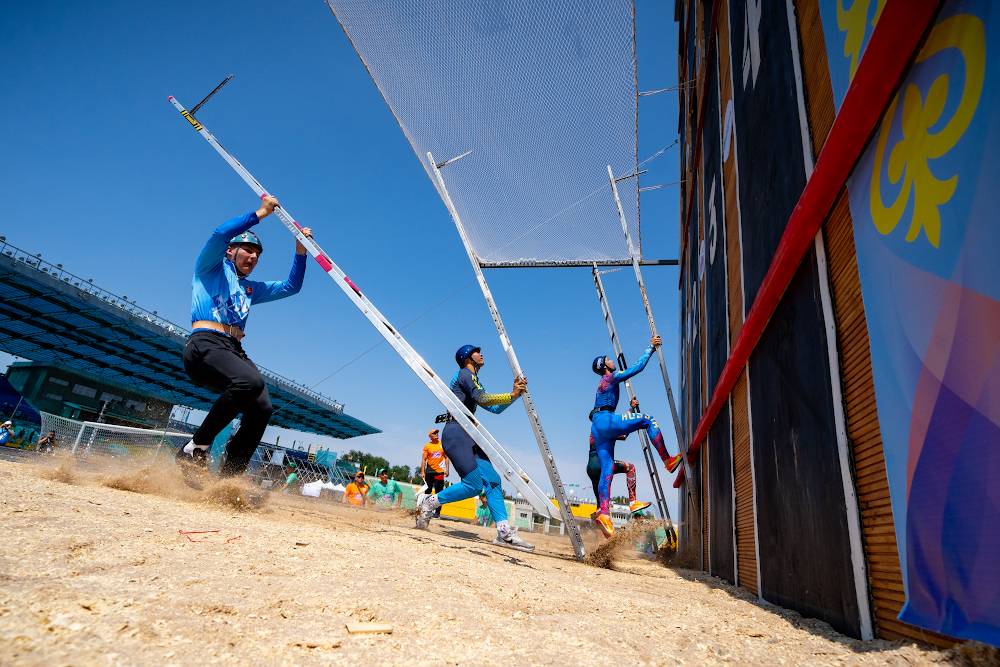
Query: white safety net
x,y
125,445
542,93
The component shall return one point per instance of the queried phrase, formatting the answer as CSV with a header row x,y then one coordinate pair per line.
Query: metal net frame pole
x,y
647,453
543,444
506,464
681,444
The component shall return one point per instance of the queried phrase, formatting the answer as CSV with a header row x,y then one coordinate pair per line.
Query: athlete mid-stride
x,y
607,427
468,459
221,297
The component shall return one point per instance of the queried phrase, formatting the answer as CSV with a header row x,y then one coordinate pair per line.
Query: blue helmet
x,y
463,354
598,365
248,238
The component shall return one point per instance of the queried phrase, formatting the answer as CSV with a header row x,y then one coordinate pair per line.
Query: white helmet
x,y
8,423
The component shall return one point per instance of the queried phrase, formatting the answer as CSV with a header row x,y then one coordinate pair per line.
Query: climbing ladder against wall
x,y
501,459
681,443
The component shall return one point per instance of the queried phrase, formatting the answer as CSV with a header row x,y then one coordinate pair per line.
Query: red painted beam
x,y
892,46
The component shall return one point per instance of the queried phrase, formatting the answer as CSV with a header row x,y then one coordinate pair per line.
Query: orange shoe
x,y
603,522
636,507
673,462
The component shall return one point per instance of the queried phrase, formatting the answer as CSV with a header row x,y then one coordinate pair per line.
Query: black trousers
x,y
434,480
217,362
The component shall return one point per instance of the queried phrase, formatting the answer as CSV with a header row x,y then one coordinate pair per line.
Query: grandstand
x,y
51,316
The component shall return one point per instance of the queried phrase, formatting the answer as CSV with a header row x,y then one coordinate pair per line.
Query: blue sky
x,y
104,177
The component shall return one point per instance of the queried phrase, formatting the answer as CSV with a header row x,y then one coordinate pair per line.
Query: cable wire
x,y
381,342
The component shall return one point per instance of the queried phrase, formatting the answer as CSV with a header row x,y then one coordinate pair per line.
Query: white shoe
x,y
425,512
512,541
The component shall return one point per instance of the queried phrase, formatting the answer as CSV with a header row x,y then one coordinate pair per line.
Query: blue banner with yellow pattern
x,y
924,200
846,31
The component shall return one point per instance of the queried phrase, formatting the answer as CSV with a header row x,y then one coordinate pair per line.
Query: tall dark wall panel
x,y
716,303
685,371
771,172
682,509
694,320
805,560
720,493
720,450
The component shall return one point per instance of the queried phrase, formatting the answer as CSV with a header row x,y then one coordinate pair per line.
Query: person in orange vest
x,y
434,465
357,491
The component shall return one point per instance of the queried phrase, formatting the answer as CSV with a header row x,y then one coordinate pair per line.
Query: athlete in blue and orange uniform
x,y
606,427
221,296
470,461
620,468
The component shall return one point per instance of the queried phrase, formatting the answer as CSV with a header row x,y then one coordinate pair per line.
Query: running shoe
x,y
192,458
603,522
424,512
193,462
636,507
512,541
673,462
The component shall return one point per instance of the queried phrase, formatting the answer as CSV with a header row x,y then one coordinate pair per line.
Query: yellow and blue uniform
x,y
470,461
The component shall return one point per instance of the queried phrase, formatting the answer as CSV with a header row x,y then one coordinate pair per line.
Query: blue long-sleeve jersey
x,y
607,391
466,386
217,292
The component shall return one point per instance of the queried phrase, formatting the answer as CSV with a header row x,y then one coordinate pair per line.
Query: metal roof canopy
x,y
50,315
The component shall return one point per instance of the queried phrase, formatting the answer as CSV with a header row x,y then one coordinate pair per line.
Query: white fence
x,y
121,443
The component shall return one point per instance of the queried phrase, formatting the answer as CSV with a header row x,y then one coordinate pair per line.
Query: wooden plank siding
x,y
861,413
746,548
706,560
746,553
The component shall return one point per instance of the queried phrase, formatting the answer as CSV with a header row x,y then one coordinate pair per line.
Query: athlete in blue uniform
x,y
606,427
221,296
469,460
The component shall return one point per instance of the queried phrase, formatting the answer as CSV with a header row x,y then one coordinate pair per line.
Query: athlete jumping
x,y
620,467
469,460
221,297
607,427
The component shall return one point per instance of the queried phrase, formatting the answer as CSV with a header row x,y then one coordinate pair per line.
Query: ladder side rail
x,y
559,490
681,443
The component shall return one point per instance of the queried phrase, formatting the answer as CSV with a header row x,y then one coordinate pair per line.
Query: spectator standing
x,y
291,479
385,492
483,516
357,491
434,466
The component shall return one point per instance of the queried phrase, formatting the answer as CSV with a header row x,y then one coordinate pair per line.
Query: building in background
x,y
67,392
93,349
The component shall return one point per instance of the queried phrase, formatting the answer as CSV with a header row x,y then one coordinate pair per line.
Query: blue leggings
x,y
606,428
475,469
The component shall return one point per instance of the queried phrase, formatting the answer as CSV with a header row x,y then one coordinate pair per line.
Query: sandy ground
x,y
92,575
